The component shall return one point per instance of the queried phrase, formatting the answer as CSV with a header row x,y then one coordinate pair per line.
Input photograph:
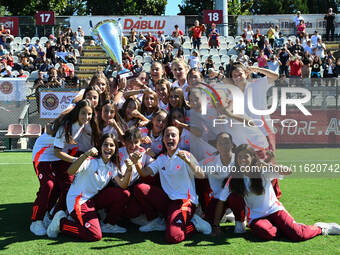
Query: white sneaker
x,y
47,220
228,217
111,229
141,220
329,228
157,224
54,228
201,225
38,228
240,227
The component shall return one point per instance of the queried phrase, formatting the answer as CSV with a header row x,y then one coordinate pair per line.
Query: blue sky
x,y
172,7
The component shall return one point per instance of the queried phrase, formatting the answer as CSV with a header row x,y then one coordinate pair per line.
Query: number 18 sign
x,y
44,18
213,16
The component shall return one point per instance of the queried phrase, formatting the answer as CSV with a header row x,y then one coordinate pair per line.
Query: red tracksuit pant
x,y
281,223
47,194
63,181
154,200
111,198
234,202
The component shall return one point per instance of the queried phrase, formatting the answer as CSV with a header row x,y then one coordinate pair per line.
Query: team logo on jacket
x,y
87,225
50,101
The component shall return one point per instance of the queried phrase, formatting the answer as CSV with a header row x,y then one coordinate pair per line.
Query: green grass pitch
x,y
308,200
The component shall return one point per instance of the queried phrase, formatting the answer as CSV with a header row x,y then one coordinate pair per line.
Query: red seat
x,y
33,130
15,131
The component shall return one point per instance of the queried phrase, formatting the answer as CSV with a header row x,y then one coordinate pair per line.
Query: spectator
x,y
257,36
141,41
53,80
180,54
316,69
80,39
3,51
209,63
273,64
297,48
243,58
301,29
283,61
72,80
336,54
320,48
157,54
308,47
315,37
260,42
178,31
271,35
194,60
278,37
39,83
21,74
295,65
213,37
307,61
297,19
250,33
197,30
329,71
240,46
132,36
262,60
176,40
46,66
160,37
267,48
167,63
330,24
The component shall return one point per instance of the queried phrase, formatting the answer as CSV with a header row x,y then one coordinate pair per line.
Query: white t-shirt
x,y
184,143
156,145
92,176
163,106
194,61
217,176
314,39
297,20
110,130
60,141
265,204
84,141
185,88
123,155
43,150
177,179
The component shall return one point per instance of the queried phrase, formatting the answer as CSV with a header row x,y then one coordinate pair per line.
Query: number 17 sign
x,y
213,16
44,18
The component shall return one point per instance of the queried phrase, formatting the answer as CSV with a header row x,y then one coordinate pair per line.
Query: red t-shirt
x,y
197,32
295,68
180,33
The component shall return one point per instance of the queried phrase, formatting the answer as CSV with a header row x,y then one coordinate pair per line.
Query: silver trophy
x,y
108,34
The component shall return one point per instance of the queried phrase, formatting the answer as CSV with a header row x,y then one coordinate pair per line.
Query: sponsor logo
x,y
6,87
50,101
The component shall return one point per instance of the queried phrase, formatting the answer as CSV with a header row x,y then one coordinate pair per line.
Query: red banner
x,y
11,23
44,18
322,127
213,16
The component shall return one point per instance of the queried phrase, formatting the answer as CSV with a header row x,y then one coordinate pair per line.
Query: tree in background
x,y
322,6
195,7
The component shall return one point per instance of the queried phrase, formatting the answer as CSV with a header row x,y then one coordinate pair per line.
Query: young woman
x,y
157,72
267,218
93,170
67,130
180,69
43,156
240,76
223,164
107,122
162,89
177,100
153,133
177,199
130,116
149,104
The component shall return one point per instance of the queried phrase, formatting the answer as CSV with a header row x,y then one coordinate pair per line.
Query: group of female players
x,y
144,152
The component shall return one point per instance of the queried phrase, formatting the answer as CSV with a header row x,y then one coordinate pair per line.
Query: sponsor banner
x,y
11,23
141,24
286,22
13,89
53,102
322,127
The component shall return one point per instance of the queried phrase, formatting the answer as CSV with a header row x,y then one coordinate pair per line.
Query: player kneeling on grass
x,y
177,199
88,194
266,215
